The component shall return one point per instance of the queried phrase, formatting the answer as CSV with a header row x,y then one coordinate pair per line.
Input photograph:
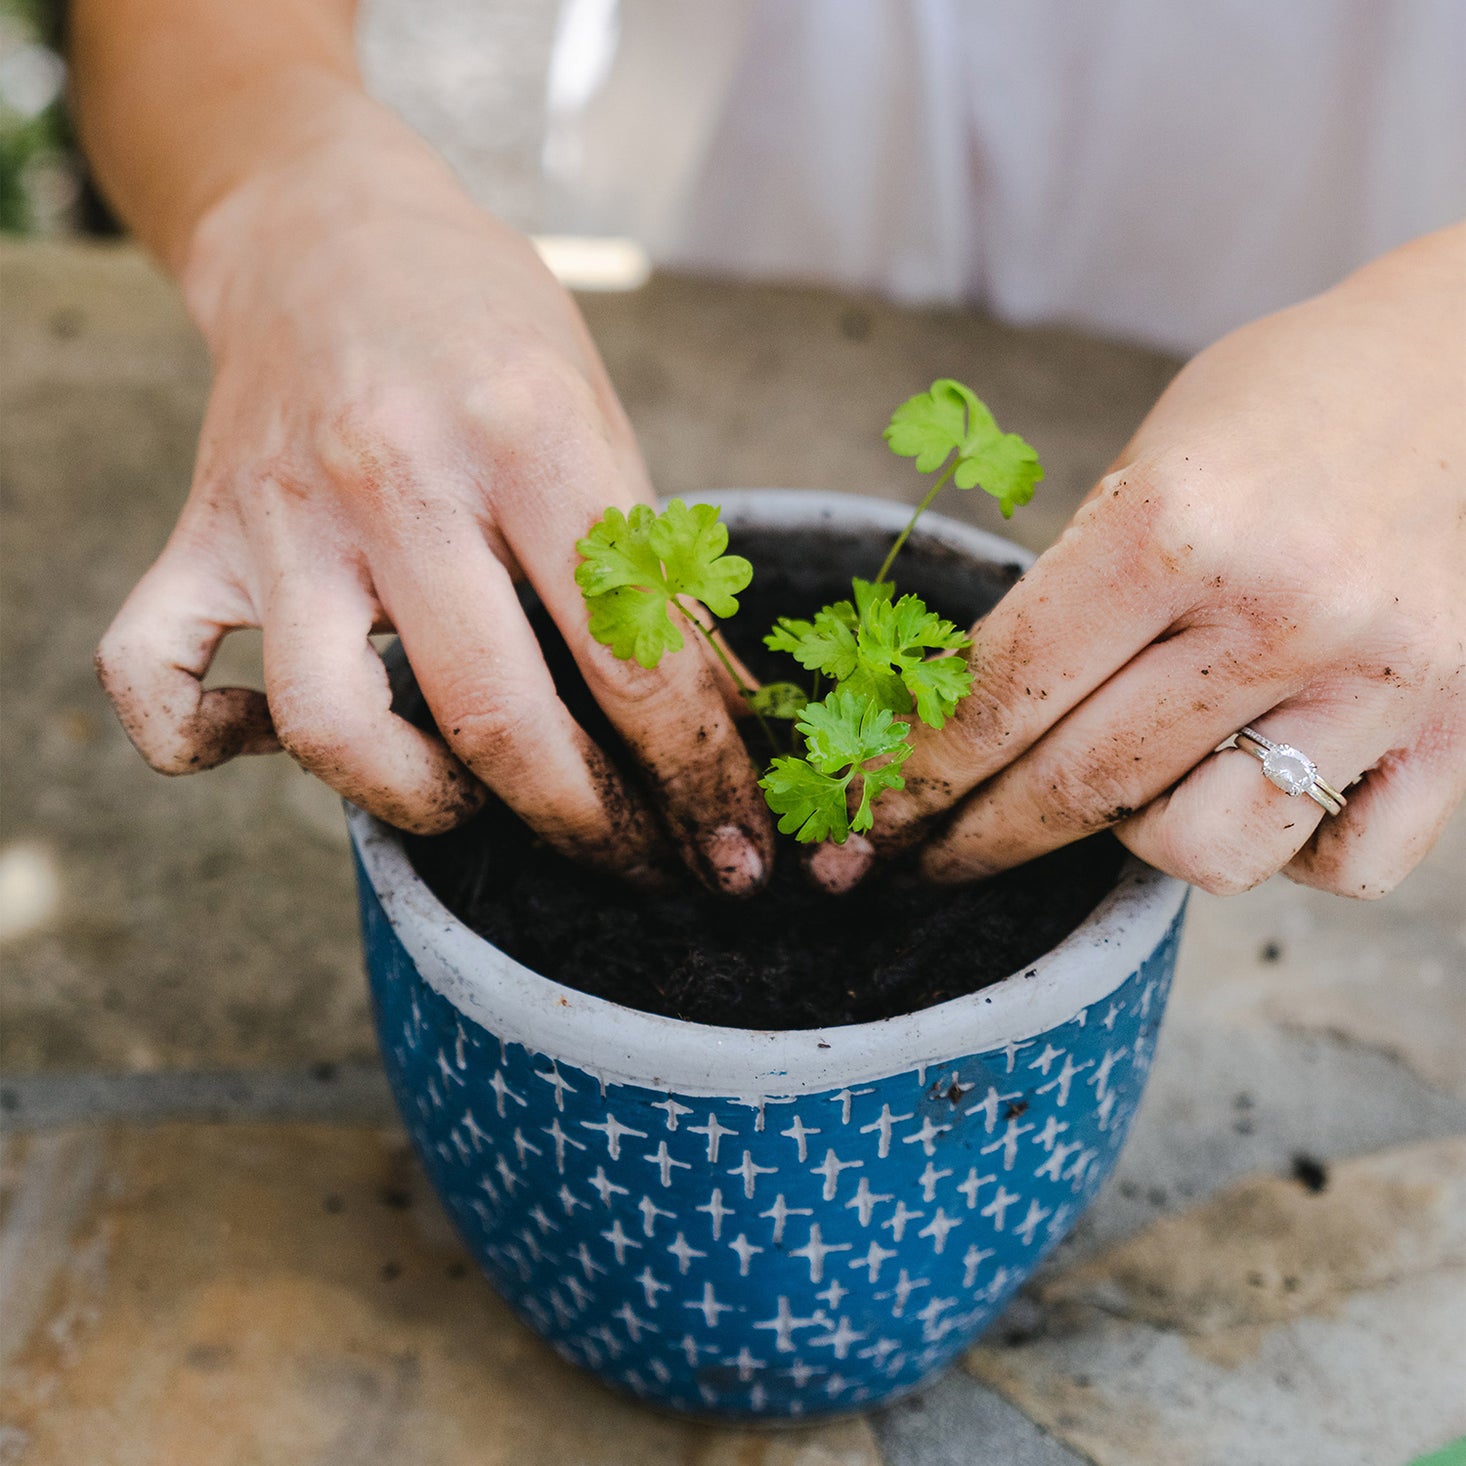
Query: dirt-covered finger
x,y
152,662
1036,656
675,717
1226,827
331,705
484,677
1123,746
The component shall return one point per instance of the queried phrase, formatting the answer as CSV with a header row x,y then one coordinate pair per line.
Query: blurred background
x,y
482,106
208,1217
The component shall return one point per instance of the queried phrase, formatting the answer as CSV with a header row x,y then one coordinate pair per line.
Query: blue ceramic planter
x,y
763,1225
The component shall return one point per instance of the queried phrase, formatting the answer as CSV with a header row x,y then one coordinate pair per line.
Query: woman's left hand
x,y
1283,546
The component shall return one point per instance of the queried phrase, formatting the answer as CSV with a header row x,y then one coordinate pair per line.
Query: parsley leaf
x,y
844,729
825,645
634,623
893,640
810,805
948,417
878,651
785,700
938,686
842,735
635,566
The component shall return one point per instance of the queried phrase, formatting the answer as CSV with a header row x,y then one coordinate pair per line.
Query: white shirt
x,y
1162,170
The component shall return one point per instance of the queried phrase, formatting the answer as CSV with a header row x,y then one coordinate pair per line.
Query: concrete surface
x,y
1272,1324
185,952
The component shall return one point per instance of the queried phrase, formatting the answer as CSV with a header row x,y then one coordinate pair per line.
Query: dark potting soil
x,y
792,957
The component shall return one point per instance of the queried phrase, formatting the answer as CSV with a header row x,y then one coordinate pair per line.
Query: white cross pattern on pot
x,y
716,1210
883,1125
938,1228
1064,1079
875,1255
987,1106
928,1181
606,1187
502,1091
926,1137
816,1250
613,1130
673,1109
745,1250
561,1140
715,1130
662,1159
712,1311
1007,1142
776,1224
651,1285
781,1213
784,1323
830,1169
650,1211
865,1201
552,1076
798,1132
750,1170
684,1253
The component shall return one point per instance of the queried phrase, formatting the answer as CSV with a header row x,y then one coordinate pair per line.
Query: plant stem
x,y
723,657
921,509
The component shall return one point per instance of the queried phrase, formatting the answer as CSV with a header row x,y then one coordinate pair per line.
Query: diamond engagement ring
x,y
1287,768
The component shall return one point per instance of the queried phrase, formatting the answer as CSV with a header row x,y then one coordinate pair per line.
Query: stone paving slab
x,y
1281,1322
1388,975
1108,1348
246,1294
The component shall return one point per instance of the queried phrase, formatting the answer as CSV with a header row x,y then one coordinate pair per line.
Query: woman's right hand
x,y
407,417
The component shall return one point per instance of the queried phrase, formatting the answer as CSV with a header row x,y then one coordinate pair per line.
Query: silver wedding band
x,y
1287,768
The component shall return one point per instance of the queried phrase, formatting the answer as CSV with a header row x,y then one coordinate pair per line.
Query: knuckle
x,y
1227,870
160,738
495,732
320,730
387,426
1299,590
533,397
1345,873
1160,512
986,729
1084,793
626,688
167,751
108,661
1217,866
1216,881
314,740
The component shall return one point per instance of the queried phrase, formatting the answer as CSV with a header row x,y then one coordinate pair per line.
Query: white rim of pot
x,y
623,1045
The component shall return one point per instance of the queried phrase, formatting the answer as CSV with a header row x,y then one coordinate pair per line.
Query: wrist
x,y
361,166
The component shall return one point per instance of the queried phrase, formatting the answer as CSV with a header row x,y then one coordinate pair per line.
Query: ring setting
x,y
1287,768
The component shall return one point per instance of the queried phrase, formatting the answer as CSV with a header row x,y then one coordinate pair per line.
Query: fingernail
x,y
840,868
733,860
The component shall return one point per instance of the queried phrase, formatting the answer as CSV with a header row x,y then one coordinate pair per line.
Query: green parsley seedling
x,y
889,659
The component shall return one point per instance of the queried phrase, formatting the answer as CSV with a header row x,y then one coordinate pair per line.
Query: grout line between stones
x,y
354,1094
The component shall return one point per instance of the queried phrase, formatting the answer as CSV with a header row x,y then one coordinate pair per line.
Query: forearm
x,y
180,102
